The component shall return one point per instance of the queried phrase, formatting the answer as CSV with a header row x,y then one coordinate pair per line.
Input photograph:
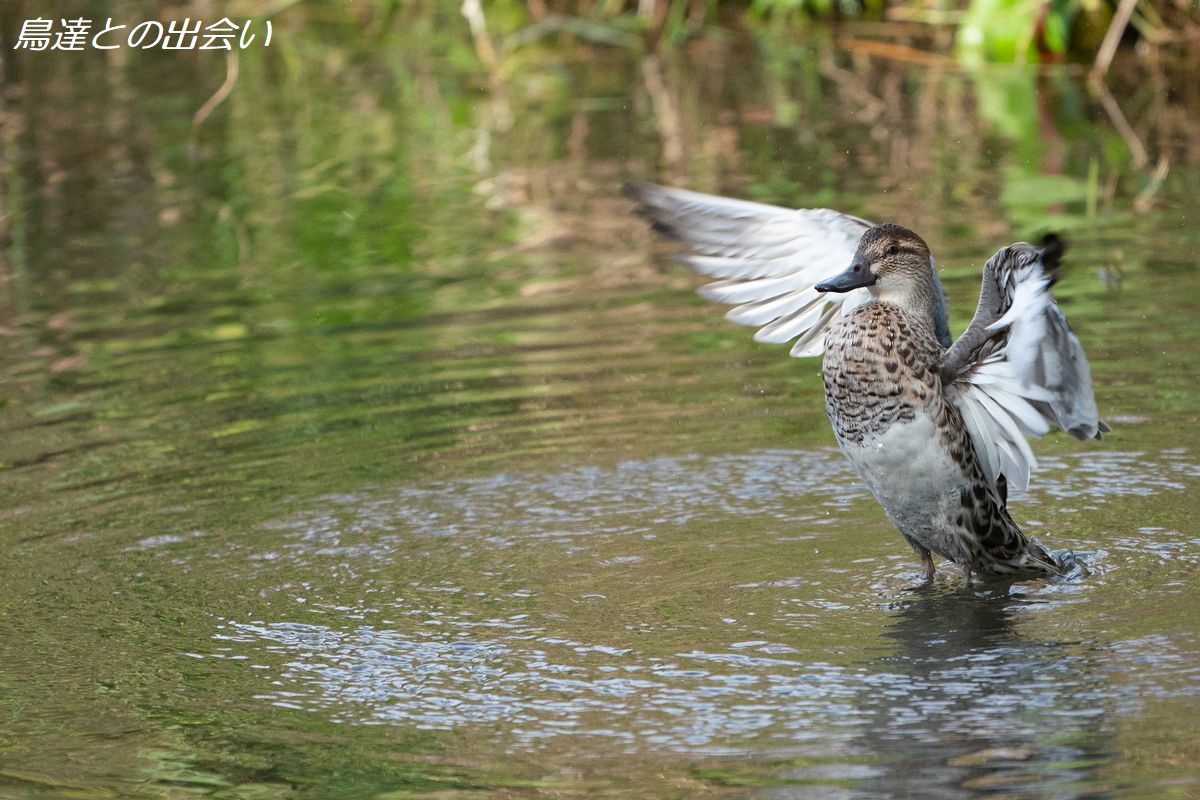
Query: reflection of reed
x,y
1112,38
472,10
1137,150
666,113
222,92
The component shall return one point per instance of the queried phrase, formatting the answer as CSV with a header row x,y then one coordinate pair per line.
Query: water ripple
x,y
712,702
802,489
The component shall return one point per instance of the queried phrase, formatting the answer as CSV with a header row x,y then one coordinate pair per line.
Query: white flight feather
x,y
768,258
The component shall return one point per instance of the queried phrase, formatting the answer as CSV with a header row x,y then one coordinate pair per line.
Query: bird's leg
x,y
927,567
926,558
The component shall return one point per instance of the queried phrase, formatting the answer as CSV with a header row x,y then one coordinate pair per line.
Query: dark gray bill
x,y
856,276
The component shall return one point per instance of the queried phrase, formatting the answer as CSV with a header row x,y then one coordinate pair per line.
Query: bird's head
x,y
890,259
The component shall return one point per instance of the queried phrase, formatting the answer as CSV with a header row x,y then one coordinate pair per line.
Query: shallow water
x,y
358,443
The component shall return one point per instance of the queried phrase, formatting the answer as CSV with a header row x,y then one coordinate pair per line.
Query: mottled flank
x,y
936,430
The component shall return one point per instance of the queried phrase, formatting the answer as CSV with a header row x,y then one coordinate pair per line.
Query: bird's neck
x,y
917,297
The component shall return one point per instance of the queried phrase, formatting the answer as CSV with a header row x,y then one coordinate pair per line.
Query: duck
x,y
937,428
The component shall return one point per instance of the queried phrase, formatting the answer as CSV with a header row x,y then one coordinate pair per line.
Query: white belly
x,y
911,474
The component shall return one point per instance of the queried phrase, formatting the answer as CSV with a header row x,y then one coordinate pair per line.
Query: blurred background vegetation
x,y
995,30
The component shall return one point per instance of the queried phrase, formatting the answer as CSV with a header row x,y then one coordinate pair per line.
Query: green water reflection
x,y
358,443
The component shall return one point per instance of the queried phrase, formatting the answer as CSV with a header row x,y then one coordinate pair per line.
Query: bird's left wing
x,y
1018,368
767,258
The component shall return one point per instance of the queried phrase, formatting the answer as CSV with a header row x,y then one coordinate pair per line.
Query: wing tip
x,y
658,226
638,191
1053,247
651,208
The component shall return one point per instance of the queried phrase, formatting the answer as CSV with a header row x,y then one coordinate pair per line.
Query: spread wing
x,y
1018,368
767,259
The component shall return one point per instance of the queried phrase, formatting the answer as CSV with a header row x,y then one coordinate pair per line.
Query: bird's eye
x,y
893,249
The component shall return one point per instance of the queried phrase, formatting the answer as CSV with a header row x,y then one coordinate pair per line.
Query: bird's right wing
x,y
767,258
1018,369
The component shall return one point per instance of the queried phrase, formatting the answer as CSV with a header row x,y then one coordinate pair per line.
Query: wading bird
x,y
937,430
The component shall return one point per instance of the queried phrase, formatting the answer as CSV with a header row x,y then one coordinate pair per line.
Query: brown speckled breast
x,y
881,364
